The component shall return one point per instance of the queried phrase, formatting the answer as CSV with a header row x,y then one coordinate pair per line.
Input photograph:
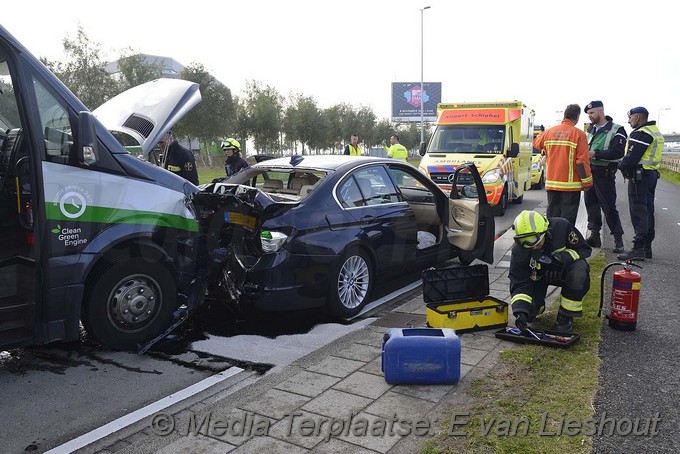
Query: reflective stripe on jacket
x,y
567,159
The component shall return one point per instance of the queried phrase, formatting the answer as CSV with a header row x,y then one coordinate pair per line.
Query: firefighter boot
x,y
637,253
593,239
563,323
618,245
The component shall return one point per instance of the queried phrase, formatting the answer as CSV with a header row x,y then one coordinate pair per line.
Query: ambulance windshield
x,y
468,139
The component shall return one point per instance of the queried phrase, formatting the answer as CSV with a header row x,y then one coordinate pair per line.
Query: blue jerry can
x,y
421,356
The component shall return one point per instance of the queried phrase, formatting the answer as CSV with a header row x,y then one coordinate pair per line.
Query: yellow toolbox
x,y
458,297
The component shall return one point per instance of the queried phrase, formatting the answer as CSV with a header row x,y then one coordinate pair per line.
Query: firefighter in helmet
x,y
547,252
234,163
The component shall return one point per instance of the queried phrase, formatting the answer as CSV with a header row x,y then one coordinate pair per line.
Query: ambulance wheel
x,y
518,200
129,302
351,283
502,203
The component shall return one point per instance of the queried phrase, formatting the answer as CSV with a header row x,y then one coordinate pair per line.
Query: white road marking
x,y
144,412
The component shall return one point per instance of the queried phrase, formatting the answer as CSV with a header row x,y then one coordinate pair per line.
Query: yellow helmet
x,y
230,144
529,228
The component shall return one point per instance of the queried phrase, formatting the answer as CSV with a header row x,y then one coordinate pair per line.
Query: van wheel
x,y
502,203
351,284
129,303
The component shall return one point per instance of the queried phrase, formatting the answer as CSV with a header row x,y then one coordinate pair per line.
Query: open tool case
x,y
458,297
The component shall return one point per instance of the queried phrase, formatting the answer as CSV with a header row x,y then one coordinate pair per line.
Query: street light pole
x,y
658,117
422,83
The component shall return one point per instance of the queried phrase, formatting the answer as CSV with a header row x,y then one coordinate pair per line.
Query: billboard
x,y
406,98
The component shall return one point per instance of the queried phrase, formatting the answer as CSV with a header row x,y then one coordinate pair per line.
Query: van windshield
x,y
468,139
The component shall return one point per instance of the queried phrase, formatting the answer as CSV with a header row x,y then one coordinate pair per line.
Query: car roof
x,y
320,162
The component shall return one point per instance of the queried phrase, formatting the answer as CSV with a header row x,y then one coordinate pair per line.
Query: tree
x,y
301,121
134,70
264,107
213,117
83,71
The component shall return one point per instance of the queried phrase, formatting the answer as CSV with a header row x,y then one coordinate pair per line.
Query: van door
x,y
19,292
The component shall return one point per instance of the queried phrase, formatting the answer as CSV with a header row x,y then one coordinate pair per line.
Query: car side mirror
x,y
421,148
87,151
513,152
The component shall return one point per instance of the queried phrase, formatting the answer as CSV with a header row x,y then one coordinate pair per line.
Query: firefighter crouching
x,y
547,252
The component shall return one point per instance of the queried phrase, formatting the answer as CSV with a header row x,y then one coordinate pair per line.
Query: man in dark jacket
x,y
234,162
607,144
178,159
547,252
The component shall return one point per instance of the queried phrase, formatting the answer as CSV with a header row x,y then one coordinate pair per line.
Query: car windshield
x,y
468,139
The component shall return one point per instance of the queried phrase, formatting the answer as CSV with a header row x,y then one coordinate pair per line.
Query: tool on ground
x,y
532,333
625,296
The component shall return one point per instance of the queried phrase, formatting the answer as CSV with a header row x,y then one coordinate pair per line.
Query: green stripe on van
x,y
105,215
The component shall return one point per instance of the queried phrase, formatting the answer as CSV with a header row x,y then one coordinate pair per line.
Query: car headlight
x,y
535,166
491,176
272,241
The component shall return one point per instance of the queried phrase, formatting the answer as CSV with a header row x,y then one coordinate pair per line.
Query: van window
x,y
56,125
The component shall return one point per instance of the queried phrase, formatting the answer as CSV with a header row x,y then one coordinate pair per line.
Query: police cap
x,y
592,105
640,110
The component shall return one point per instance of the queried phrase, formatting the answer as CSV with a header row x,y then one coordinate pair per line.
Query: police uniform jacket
x,y
644,148
563,245
181,161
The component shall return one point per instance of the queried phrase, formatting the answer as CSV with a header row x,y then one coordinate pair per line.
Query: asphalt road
x,y
639,376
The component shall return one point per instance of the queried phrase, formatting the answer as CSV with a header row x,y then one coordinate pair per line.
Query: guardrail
x,y
671,162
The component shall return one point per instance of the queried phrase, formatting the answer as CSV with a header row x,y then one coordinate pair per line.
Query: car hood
x,y
147,111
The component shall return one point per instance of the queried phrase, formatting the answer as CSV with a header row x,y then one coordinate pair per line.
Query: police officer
x,y
234,162
607,143
547,252
353,148
396,150
640,166
178,159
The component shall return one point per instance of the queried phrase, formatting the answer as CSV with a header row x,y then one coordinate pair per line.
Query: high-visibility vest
x,y
397,151
600,142
651,159
354,151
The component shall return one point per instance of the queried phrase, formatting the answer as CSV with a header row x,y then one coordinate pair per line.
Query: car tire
x,y
129,302
351,284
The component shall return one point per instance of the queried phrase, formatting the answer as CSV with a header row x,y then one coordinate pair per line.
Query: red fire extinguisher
x,y
623,305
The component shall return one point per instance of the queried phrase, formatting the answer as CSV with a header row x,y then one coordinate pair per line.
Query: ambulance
x,y
88,232
495,136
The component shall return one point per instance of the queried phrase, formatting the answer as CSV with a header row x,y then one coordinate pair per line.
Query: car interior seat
x,y
272,185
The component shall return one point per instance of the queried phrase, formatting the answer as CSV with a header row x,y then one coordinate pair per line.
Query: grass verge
x,y
531,390
669,175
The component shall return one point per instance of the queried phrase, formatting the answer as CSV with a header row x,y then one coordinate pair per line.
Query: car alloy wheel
x,y
352,284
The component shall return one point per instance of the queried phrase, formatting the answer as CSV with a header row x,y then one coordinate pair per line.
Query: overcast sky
x,y
547,54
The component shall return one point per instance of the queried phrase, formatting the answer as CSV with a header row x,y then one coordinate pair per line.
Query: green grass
x,y
669,175
530,382
206,174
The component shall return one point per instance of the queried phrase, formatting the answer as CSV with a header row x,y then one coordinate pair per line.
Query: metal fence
x,y
671,162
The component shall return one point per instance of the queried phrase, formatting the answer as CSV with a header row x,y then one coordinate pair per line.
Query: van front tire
x,y
129,302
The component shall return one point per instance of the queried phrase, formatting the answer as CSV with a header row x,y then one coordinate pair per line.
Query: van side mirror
x,y
421,148
514,150
87,151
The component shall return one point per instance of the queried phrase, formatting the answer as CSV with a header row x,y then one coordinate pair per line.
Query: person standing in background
x,y
640,166
353,148
568,165
396,150
177,159
607,144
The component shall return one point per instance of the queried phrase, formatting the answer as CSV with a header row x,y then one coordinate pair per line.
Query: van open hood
x,y
147,111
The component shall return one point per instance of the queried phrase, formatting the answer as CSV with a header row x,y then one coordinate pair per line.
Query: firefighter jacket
x,y
234,164
643,148
567,159
181,161
608,143
350,150
397,151
563,245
